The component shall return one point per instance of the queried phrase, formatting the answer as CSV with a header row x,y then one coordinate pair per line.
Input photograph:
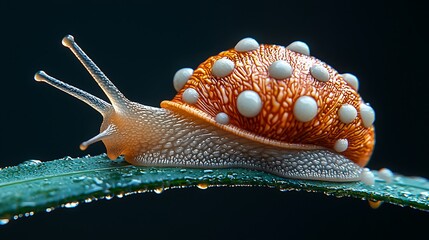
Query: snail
x,y
257,106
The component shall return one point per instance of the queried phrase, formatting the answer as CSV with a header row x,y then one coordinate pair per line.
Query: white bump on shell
x,y
352,80
305,109
367,177
299,47
181,77
249,104
341,145
190,96
222,67
385,174
367,114
246,44
280,69
319,72
222,118
347,113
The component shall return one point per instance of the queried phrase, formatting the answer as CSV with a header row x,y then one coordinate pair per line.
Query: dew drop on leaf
x,y
159,190
374,204
285,189
28,214
30,162
78,179
134,182
97,181
424,195
49,209
71,204
142,190
4,221
406,194
202,186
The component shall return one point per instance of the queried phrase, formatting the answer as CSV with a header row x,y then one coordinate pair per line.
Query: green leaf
x,y
35,186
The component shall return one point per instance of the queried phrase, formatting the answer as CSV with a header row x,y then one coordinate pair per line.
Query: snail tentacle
x,y
98,104
118,100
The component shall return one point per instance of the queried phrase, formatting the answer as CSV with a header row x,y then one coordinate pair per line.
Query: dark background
x,y
141,45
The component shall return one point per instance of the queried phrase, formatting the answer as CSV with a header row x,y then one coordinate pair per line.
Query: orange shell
x,y
276,123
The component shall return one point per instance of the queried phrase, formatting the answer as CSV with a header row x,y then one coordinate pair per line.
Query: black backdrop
x,y
141,45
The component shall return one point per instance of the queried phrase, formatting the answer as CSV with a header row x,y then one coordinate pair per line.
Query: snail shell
x,y
257,106
278,96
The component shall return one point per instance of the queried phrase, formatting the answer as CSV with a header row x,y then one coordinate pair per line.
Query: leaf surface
x,y
35,186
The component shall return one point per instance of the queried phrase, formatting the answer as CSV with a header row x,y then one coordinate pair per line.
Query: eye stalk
x,y
118,100
119,103
98,104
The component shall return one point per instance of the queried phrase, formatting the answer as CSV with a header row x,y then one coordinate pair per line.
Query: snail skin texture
x,y
262,107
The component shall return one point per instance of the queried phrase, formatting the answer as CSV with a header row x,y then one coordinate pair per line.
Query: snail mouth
x,y
112,155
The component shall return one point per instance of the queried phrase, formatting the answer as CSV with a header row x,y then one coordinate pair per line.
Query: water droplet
x,y
29,214
129,193
286,189
120,195
386,174
108,197
424,195
4,221
202,185
257,178
208,171
374,204
182,170
406,194
154,171
79,179
71,204
135,182
49,209
142,190
97,181
30,162
93,188
125,175
231,176
367,177
159,190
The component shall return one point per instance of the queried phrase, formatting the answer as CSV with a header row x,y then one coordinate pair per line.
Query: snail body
x,y
262,107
